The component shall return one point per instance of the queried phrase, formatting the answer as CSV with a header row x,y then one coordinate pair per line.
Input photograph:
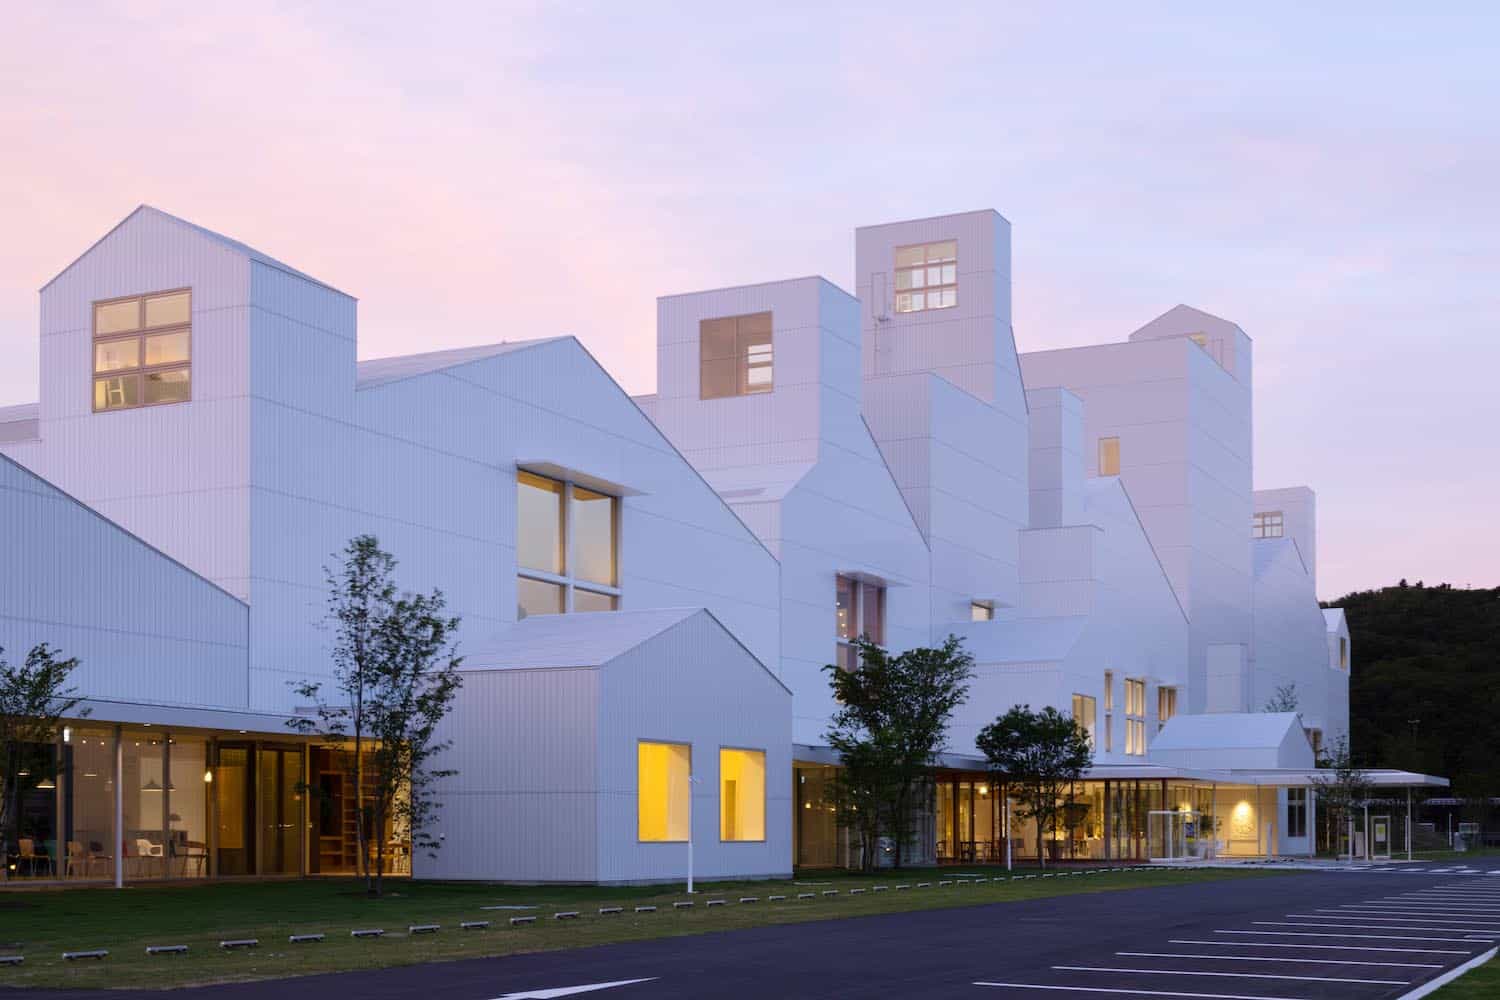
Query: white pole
x,y
1408,824
691,782
119,848
1367,831
1007,828
1351,836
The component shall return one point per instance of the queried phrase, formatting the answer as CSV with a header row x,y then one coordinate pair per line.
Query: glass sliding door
x,y
279,813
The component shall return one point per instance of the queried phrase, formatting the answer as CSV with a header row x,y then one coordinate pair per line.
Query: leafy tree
x,y
1284,700
891,723
1040,755
395,675
34,697
1342,787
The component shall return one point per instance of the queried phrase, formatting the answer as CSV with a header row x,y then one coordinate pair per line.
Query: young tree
x,y
1284,700
395,675
1039,755
891,724
1342,786
34,697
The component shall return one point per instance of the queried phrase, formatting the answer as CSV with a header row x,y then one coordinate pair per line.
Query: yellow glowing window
x,y
662,792
742,795
1109,456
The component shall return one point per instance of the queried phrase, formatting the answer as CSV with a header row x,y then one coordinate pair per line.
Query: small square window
x,y
735,356
926,276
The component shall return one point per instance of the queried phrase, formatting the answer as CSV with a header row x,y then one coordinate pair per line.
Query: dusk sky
x,y
1330,181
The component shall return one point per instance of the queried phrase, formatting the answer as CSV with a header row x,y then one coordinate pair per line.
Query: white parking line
x,y
1134,993
1380,904
1469,931
1352,937
1322,947
1489,926
1280,959
1232,975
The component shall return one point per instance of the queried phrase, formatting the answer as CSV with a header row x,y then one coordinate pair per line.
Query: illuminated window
x,y
1109,708
143,351
662,790
735,356
927,277
1166,705
1135,717
1267,524
981,612
1343,653
1109,456
859,610
1085,715
742,794
567,547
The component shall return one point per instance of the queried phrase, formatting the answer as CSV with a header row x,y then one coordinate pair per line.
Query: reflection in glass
x,y
166,348
113,355
117,317
587,600
537,597
187,823
168,387
539,522
167,310
593,536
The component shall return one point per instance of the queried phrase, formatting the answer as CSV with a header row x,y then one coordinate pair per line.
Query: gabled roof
x,y
757,483
1335,620
219,238
582,639
380,371
19,423
1226,731
1268,551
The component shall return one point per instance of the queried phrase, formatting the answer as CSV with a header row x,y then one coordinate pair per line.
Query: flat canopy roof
x,y
1146,770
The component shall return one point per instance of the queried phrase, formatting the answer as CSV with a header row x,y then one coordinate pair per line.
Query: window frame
x,y
1090,723
981,611
1166,698
1135,717
1296,812
897,269
744,343
845,646
1109,711
690,778
568,579
1261,524
140,371
765,799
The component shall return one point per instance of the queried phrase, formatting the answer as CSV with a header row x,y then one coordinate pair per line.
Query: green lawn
x,y
42,924
1482,983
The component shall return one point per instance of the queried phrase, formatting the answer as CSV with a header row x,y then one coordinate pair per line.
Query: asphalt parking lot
x,y
1349,933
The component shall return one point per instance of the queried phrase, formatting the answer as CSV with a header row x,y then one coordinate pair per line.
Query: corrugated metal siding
x,y
692,684
523,806
145,628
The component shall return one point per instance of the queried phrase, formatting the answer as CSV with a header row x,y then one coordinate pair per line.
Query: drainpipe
x,y
119,850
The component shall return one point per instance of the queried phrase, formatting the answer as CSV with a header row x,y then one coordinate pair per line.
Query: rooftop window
x,y
735,356
142,350
1267,524
927,276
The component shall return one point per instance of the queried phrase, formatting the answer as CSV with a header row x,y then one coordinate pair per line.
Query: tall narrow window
x,y
1296,812
1166,705
1267,524
1109,709
1343,653
663,771
1084,714
143,350
927,276
1135,717
1109,456
742,794
859,610
567,547
736,356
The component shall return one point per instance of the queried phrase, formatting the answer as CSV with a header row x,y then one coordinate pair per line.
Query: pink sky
x,y
1327,181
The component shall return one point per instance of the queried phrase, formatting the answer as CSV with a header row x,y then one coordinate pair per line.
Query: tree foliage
x,y
34,697
1341,784
1039,755
1284,700
395,675
891,724
1424,689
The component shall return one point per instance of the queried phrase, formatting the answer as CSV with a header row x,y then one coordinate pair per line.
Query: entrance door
x,y
1170,830
279,812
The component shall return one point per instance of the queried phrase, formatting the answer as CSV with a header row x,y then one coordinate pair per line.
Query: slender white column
x,y
119,847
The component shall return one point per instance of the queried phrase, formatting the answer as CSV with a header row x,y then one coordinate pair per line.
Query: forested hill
x,y
1425,691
